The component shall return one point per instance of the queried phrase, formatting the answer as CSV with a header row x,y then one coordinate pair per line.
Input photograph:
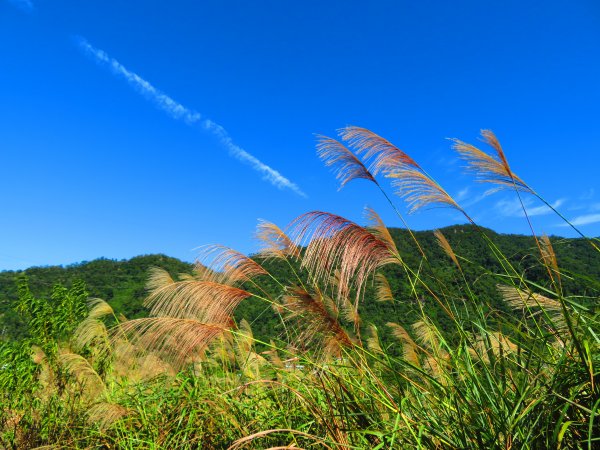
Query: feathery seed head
x,y
333,242
381,154
205,301
275,243
419,190
445,245
346,166
409,347
105,414
383,289
549,257
226,265
379,230
319,327
176,340
98,308
488,168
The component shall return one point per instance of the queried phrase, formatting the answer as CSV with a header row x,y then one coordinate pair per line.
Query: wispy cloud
x,y
591,192
179,112
513,208
25,5
586,219
465,197
462,194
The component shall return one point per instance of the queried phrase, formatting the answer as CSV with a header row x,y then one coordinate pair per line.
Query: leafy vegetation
x,y
335,335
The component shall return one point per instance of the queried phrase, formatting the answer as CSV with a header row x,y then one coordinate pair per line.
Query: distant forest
x,y
122,283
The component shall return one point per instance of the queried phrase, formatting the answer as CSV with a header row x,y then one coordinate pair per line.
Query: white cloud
x,y
513,208
179,112
25,5
462,194
465,197
586,219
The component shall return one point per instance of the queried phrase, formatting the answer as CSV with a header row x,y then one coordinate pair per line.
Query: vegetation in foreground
x,y
465,373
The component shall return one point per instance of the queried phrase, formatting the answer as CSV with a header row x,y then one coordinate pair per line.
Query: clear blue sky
x,y
93,166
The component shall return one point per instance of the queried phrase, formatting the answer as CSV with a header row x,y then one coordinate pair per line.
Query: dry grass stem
x,y
247,439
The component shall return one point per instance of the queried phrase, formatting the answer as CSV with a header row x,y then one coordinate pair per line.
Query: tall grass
x,y
190,377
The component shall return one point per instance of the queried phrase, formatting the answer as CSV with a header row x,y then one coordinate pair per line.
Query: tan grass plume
x,y
104,414
379,230
383,290
380,154
489,168
317,327
205,301
98,308
346,166
274,242
226,265
333,242
419,190
373,343
409,346
519,299
83,370
549,257
176,340
445,245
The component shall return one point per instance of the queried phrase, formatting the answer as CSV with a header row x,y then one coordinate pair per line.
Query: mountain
x,y
121,283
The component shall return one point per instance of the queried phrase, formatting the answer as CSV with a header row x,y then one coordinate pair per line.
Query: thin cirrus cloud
x,y
467,198
586,219
179,112
513,208
25,5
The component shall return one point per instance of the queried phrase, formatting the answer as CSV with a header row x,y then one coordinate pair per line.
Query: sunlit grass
x,y
190,377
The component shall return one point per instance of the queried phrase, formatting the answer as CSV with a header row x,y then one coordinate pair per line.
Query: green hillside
x,y
122,283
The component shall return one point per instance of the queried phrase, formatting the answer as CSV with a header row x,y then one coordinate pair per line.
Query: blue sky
x,y
98,158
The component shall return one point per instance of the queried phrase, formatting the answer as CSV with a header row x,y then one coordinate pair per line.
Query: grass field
x,y
189,376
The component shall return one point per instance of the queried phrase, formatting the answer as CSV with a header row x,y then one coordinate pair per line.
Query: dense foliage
x,y
122,283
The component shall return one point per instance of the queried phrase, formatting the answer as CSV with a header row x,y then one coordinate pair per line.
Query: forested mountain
x,y
121,283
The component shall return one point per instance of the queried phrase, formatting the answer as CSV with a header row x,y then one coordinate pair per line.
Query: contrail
x,y
178,111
